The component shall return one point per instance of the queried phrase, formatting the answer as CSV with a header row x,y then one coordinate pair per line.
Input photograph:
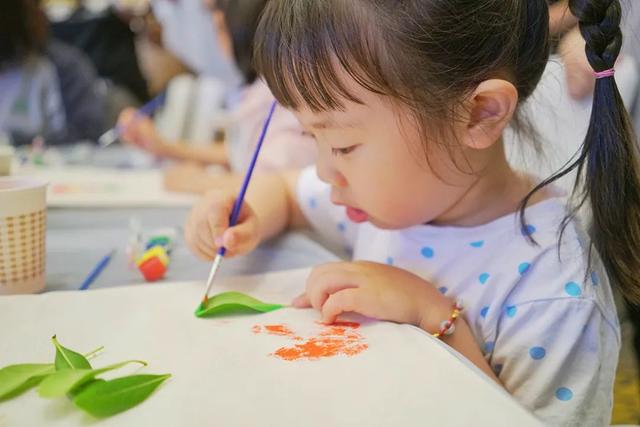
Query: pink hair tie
x,y
604,74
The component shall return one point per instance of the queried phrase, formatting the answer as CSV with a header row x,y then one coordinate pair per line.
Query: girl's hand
x,y
374,290
140,131
207,228
387,293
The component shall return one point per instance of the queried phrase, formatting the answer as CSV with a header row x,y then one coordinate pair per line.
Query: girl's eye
x,y
343,151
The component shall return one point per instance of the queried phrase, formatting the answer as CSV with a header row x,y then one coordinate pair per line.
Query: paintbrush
x,y
233,218
112,135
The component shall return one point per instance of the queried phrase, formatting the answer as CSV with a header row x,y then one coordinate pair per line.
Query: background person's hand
x,y
139,130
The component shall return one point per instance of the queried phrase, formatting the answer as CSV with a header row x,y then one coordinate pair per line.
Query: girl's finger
x,y
301,301
205,253
205,240
330,279
344,301
243,237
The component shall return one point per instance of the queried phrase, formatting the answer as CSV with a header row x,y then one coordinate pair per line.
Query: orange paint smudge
x,y
353,325
333,340
279,330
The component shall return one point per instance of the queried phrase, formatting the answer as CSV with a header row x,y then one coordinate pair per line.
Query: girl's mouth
x,y
356,215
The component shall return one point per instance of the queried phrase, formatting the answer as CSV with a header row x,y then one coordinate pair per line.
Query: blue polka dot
x,y
484,311
528,230
511,310
483,278
342,227
564,394
443,290
477,244
594,278
489,346
389,260
537,353
573,289
427,252
312,203
524,267
497,369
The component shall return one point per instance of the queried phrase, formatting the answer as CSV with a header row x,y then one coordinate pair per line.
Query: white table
x,y
225,374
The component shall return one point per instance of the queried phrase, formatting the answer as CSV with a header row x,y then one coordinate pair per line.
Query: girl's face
x,y
377,168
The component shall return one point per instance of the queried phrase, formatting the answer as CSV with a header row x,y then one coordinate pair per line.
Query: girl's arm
x,y
463,342
273,199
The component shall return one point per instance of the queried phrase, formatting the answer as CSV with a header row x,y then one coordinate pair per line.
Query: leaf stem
x,y
91,354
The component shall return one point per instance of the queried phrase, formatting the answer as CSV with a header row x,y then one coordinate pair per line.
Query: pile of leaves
x,y
72,375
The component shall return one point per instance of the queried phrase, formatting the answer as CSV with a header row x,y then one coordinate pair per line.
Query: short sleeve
x,y
558,358
328,220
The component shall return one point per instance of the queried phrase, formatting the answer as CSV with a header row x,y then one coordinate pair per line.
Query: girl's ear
x,y
490,108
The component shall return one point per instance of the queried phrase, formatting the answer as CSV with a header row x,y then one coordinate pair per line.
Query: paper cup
x,y
23,217
6,157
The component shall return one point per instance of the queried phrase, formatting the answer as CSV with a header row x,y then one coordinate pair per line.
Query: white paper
x,y
224,374
102,187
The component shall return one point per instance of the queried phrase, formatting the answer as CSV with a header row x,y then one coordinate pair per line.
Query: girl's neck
x,y
497,192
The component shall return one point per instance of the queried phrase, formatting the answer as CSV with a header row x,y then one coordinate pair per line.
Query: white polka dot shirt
x,y
544,319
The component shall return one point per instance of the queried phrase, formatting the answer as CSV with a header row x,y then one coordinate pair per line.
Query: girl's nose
x,y
327,172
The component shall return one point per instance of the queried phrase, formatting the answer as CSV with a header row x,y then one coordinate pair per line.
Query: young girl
x,y
236,22
408,102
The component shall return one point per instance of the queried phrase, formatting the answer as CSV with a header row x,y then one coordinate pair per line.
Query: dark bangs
x,y
302,48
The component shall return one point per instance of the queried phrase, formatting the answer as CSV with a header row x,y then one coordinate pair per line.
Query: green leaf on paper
x,y
105,398
68,359
16,379
72,375
66,381
76,391
234,303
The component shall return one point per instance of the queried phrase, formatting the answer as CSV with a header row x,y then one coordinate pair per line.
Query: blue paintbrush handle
x,y
96,271
151,106
233,218
147,109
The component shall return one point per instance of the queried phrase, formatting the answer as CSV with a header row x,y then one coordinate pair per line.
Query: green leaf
x,y
77,390
16,379
69,359
103,399
65,381
234,303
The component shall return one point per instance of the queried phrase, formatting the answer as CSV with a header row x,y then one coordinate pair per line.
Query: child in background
x,y
236,21
42,95
408,102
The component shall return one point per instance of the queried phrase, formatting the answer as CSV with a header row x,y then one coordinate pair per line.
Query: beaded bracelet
x,y
448,327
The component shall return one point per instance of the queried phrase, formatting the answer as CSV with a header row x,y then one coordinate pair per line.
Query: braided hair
x,y
607,165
